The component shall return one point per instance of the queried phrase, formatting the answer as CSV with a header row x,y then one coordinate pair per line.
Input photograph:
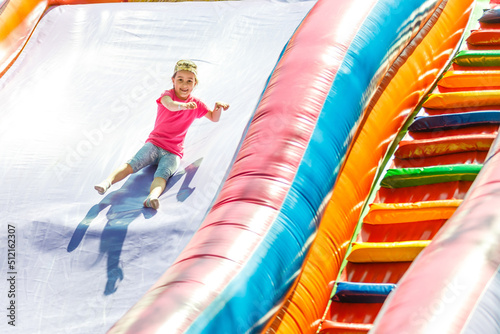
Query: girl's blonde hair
x,y
186,65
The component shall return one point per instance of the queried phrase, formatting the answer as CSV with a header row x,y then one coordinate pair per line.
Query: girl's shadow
x,y
126,205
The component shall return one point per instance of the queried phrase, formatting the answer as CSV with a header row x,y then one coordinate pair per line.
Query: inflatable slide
x,y
78,101
254,228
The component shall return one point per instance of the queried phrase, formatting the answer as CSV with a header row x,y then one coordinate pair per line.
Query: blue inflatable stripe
x,y
490,16
453,121
247,302
349,292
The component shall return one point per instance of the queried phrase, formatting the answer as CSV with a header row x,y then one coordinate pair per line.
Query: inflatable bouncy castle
x,y
350,187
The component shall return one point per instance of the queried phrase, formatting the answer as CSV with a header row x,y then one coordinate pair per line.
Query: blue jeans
x,y
150,154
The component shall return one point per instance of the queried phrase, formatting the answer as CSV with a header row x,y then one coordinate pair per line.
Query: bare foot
x,y
102,187
152,203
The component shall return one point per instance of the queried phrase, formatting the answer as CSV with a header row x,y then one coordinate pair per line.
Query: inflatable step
x,y
423,148
454,121
335,327
395,213
480,58
490,16
387,272
470,79
484,37
471,157
409,177
354,292
403,251
464,99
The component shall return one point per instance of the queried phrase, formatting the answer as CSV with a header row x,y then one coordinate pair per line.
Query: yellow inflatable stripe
x,y
464,79
463,99
404,251
393,213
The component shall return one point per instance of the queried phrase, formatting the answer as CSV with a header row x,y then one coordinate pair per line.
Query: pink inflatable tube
x,y
454,285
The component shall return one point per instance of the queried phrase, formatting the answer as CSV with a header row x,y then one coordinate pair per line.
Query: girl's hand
x,y
190,105
222,105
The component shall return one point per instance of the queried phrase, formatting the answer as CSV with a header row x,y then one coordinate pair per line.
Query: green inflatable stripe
x,y
478,58
409,177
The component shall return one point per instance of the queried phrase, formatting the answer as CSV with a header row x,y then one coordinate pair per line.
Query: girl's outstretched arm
x,y
176,106
214,115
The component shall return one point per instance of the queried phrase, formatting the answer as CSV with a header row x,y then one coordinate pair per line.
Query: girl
x,y
177,110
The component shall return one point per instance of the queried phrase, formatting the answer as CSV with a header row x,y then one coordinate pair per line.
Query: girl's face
x,y
184,83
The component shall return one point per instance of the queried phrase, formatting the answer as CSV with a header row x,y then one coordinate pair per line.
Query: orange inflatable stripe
x,y
17,21
484,37
15,13
463,99
394,213
422,148
404,251
467,79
